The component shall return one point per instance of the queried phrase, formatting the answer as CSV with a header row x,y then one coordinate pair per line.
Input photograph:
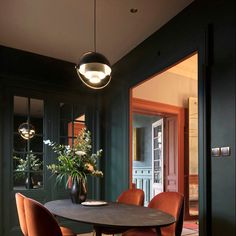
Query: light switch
x,y
225,151
215,152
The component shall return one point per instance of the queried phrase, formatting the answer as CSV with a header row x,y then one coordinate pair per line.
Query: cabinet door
x,y
25,158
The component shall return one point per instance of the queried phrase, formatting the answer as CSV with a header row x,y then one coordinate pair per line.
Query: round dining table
x,y
111,215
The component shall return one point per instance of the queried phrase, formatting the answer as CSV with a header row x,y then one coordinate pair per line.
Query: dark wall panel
x,y
116,147
186,33
27,74
223,122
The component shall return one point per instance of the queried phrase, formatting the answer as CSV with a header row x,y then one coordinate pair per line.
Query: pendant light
x,y
94,69
26,130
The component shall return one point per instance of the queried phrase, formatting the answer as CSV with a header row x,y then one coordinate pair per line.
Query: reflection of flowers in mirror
x,y
29,163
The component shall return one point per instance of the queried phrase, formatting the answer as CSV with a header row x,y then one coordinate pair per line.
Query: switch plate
x,y
225,151
215,152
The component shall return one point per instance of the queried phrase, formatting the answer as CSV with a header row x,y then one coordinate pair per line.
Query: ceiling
x,y
173,86
187,68
64,29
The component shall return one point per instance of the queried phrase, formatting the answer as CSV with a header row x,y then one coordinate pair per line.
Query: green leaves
x,y
31,161
76,162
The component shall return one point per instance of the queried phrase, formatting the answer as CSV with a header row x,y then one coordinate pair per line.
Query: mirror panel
x,y
28,162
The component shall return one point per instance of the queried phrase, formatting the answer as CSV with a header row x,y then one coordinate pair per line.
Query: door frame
x,y
146,107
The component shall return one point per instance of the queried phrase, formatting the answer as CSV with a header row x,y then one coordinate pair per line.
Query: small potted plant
x,y
75,163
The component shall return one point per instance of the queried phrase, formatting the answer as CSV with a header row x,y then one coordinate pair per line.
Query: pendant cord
x,y
95,26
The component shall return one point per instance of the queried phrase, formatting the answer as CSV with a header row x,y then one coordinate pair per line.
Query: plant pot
x,y
29,181
78,192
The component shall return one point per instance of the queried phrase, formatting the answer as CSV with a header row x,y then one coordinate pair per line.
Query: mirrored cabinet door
x,y
27,151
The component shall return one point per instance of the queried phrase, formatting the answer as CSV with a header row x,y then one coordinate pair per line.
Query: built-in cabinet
x,y
25,159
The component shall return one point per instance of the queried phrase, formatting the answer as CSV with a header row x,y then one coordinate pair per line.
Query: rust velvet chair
x,y
20,204
171,203
21,213
130,196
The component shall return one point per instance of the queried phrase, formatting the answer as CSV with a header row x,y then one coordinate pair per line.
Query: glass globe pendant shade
x,y
94,70
26,131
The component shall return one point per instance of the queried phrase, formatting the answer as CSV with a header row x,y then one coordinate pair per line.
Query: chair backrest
x,y
21,212
173,204
39,220
132,196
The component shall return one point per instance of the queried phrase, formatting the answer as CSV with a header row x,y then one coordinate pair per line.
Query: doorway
x,y
158,147
172,95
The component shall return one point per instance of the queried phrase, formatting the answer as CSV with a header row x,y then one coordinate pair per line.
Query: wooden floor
x,y
190,229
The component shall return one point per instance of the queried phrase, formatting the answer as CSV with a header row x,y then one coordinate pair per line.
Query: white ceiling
x,y
64,29
187,68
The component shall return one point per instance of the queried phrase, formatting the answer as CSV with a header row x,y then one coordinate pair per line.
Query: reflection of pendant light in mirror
x,y
94,69
26,130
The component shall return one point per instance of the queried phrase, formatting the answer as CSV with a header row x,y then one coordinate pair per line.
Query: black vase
x,y
78,192
28,181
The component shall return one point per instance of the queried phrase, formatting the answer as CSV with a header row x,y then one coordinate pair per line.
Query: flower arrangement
x,y
30,163
75,162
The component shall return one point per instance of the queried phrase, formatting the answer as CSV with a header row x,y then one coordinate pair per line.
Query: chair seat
x,y
66,231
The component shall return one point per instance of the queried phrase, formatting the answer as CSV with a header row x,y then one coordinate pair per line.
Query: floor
x,y
189,232
186,232
192,230
193,208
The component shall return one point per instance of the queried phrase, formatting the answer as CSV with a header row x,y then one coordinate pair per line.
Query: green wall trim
x,y
1,158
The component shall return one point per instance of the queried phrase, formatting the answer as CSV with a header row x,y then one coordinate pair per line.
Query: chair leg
x,y
158,231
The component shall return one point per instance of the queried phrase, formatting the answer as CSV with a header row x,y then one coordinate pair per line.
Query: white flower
x,y
80,153
48,142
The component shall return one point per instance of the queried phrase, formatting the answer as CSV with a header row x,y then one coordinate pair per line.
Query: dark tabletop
x,y
112,214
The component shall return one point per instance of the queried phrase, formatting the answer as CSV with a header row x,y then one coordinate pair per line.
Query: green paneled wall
x,y
189,31
27,74
116,147
184,34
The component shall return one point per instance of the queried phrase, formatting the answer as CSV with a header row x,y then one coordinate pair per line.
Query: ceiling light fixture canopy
x,y
94,69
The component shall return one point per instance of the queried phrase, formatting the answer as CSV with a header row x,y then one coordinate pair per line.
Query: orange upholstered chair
x,y
130,196
21,213
171,203
20,204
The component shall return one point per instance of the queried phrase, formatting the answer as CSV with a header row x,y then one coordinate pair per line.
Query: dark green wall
x,y
205,26
1,172
209,28
27,74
